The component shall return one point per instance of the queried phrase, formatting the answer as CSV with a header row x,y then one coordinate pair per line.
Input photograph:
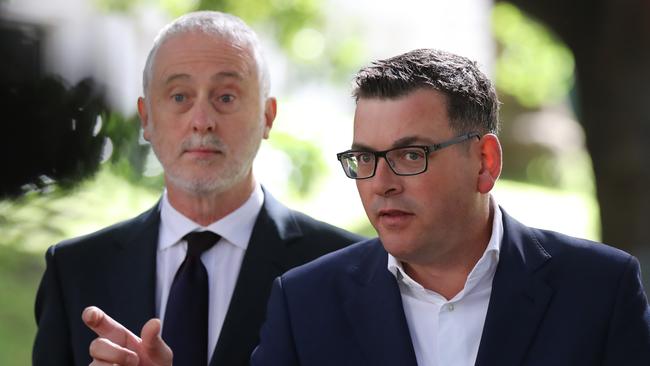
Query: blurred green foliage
x,y
316,46
284,19
172,7
37,220
533,65
535,70
131,155
19,276
117,6
307,162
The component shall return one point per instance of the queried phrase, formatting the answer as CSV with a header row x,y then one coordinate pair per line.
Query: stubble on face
x,y
216,173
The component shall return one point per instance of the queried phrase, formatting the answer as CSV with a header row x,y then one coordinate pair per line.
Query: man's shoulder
x,y
117,232
352,260
565,251
584,262
564,247
291,223
316,228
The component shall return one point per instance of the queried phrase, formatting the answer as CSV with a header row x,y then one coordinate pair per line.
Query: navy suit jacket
x,y
555,301
115,269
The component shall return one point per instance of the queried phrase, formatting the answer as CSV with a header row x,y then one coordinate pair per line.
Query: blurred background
x,y
573,76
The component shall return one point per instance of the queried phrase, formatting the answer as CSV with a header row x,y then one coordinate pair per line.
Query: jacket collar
x,y
375,312
519,297
134,282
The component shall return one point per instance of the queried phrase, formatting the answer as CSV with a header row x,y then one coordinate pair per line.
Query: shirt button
x,y
450,307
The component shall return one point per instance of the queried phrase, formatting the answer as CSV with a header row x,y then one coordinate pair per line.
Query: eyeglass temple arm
x,y
455,140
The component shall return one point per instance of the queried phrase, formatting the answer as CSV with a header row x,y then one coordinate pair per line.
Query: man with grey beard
x,y
204,257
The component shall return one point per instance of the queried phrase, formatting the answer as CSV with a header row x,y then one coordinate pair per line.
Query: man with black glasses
x,y
452,278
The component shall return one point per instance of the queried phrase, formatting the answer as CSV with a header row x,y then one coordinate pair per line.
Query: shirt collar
x,y
236,227
486,265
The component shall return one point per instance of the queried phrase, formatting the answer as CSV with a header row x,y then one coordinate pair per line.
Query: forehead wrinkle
x,y
224,75
238,57
220,76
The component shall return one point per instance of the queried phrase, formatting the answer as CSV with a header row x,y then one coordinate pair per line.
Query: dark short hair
x,y
472,103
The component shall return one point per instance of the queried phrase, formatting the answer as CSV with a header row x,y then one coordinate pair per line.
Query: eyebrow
x,y
227,75
402,142
175,77
223,75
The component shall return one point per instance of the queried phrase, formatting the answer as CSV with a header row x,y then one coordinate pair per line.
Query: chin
x,y
202,185
399,244
394,244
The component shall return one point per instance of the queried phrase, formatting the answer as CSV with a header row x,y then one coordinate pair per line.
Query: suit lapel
x,y
262,263
375,312
519,298
132,285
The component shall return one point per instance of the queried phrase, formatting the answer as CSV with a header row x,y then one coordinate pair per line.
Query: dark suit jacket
x,y
555,301
114,269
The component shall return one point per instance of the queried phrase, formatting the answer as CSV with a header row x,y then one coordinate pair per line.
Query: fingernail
x,y
87,314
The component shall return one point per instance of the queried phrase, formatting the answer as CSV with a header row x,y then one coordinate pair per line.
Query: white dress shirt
x,y
448,332
222,261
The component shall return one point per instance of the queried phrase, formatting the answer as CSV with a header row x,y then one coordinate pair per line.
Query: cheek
x,y
441,202
164,140
259,130
239,136
429,197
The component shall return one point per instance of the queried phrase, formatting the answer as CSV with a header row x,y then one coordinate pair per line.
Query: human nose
x,y
386,182
203,117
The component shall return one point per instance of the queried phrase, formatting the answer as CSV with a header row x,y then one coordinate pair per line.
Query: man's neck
x,y
447,279
207,207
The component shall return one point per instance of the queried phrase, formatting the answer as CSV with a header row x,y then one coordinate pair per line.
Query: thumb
x,y
155,349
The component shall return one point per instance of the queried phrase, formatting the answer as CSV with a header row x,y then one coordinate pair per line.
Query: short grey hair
x,y
226,26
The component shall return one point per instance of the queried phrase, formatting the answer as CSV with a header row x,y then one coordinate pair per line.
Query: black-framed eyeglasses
x,y
406,160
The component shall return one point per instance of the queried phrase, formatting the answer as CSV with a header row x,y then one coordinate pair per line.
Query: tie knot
x,y
200,241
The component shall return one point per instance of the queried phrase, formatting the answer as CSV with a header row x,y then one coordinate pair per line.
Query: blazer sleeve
x,y
277,346
628,341
52,344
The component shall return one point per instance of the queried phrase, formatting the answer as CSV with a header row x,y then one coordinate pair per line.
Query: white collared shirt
x,y
222,261
448,332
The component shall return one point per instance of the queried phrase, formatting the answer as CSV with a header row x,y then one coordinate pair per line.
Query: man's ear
x,y
144,116
490,149
270,111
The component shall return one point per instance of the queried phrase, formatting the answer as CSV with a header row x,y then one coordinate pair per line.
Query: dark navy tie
x,y
185,328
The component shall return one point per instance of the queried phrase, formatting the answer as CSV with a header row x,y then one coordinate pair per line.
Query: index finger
x,y
107,327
